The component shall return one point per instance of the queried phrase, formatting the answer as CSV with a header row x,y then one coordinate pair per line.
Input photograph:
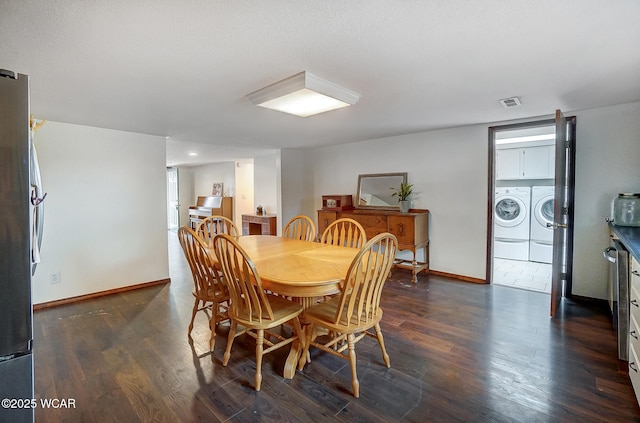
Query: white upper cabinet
x,y
538,162
525,162
508,163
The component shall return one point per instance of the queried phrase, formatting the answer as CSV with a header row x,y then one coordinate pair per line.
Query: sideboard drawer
x,y
372,224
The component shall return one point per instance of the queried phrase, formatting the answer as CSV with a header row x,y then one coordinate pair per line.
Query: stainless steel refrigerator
x,y
20,217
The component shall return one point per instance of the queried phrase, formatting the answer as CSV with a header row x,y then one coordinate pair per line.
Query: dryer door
x,y
544,211
509,211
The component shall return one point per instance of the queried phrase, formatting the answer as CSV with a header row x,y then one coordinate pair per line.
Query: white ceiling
x,y
182,69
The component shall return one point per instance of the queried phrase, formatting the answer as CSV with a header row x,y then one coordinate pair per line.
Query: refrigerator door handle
x,y
35,200
609,257
37,210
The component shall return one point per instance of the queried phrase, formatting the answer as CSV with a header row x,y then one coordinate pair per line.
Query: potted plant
x,y
403,192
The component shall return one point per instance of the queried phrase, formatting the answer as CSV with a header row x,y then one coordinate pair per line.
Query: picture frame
x,y
217,189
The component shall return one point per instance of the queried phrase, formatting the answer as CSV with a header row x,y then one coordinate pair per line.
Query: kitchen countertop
x,y
630,237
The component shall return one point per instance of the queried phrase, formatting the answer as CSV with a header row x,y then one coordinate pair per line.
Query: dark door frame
x,y
492,185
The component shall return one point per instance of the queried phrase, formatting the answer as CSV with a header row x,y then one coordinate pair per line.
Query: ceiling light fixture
x,y
193,154
544,137
303,94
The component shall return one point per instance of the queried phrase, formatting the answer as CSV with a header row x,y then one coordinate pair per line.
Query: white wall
x,y
449,170
238,179
186,196
267,185
607,162
206,175
296,178
244,190
105,213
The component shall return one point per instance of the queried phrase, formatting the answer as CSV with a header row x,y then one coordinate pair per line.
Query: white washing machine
x,y
511,217
541,244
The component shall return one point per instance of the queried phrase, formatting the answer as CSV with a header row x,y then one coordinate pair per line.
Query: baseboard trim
x,y
458,277
63,301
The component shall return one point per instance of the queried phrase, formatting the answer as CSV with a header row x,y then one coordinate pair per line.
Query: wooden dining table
x,y
303,270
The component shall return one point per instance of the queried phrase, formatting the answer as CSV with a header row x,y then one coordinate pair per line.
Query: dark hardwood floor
x,y
460,352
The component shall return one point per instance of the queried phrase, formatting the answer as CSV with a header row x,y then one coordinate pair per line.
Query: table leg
x,y
291,364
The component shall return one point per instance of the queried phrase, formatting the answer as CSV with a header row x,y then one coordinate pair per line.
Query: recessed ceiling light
x,y
303,94
193,154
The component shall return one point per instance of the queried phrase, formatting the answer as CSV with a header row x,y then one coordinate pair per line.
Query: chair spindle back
x,y
248,298
205,278
360,296
300,227
344,232
214,225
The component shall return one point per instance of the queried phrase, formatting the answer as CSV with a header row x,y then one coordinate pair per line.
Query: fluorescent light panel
x,y
527,138
303,94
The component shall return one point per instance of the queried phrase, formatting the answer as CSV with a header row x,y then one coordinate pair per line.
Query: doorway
x,y
532,179
173,203
523,202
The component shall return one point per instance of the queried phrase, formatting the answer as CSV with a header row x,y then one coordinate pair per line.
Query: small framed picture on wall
x,y
217,189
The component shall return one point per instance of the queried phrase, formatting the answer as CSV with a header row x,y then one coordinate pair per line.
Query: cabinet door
x,y
537,162
634,338
635,273
508,163
324,219
403,227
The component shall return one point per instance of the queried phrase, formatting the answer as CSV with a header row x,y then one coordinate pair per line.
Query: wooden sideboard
x,y
411,229
259,224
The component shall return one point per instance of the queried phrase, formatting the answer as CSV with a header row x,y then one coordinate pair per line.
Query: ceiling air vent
x,y
507,103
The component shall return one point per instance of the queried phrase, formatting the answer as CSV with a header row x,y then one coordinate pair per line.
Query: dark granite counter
x,y
630,237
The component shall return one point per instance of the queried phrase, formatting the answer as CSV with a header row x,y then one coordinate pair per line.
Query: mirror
x,y
374,190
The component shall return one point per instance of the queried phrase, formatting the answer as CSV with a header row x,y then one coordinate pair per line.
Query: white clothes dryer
x,y
542,204
542,212
511,216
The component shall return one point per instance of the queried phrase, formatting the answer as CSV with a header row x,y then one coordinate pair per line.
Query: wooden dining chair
x,y
351,314
214,225
209,292
251,307
300,227
344,232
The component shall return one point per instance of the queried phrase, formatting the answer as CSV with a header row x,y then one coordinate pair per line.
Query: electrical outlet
x,y
54,278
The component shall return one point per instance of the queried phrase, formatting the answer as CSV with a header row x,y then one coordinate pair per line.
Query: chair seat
x,y
213,295
325,313
283,311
